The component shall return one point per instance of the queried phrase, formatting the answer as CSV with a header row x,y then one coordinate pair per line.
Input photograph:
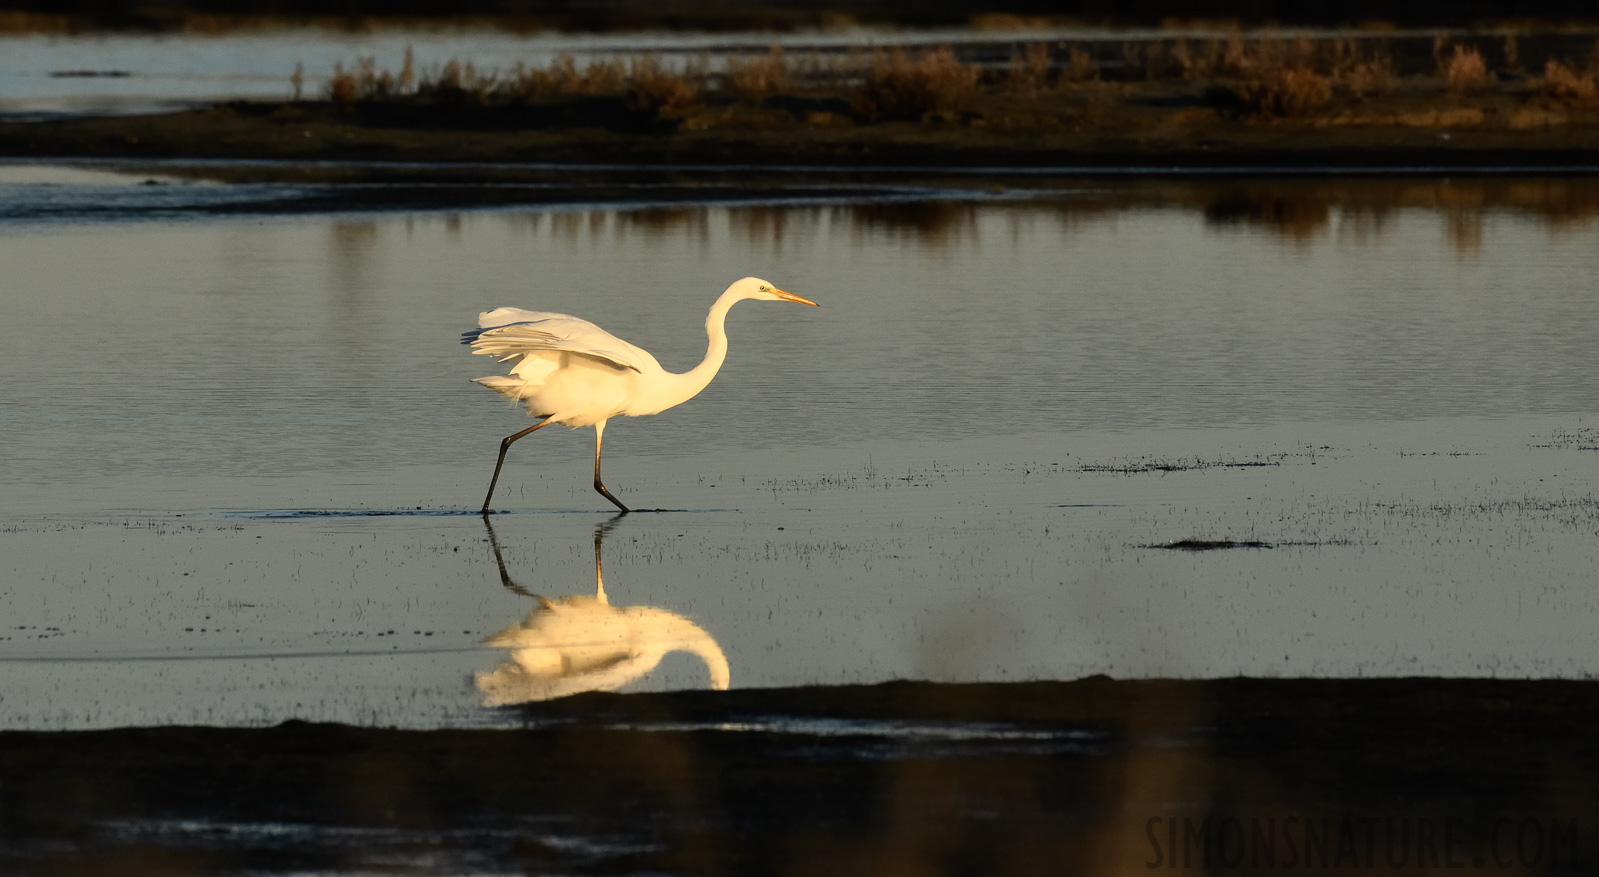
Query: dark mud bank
x,y
312,133
1044,778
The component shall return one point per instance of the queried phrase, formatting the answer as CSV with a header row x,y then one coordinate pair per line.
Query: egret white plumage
x,y
572,372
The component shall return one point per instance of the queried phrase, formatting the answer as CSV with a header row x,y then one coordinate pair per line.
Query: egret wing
x,y
512,332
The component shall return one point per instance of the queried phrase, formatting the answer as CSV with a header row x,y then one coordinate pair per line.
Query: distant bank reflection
x,y
580,643
1356,210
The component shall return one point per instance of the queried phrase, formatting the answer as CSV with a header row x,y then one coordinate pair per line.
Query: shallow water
x,y
241,451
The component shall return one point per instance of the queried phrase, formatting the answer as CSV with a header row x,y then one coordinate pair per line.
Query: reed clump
x,y
1368,78
654,90
1080,67
1260,73
896,86
1280,77
561,78
899,87
758,78
453,81
365,82
1565,84
1465,71
642,82
1286,91
1029,71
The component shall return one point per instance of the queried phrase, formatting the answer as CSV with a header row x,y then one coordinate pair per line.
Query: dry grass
x,y
651,89
453,81
18,22
826,69
1029,71
758,78
1565,84
561,78
1080,67
641,81
1273,75
1286,91
1002,21
1369,77
897,87
365,82
1512,52
1267,52
1266,56
1234,56
1464,71
1195,64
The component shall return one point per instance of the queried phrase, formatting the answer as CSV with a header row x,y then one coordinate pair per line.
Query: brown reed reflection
x,y
690,222
1303,210
1358,211
580,643
767,224
1299,217
1298,209
352,251
936,225
1465,231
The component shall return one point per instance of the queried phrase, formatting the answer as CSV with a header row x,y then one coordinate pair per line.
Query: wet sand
x,y
1092,776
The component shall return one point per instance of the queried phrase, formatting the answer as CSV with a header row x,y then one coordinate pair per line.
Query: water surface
x,y
241,450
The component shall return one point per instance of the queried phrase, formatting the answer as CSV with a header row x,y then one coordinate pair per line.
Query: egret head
x,y
760,290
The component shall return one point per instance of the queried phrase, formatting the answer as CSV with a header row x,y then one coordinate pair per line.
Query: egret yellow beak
x,y
789,296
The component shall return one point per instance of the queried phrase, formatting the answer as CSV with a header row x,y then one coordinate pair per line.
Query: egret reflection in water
x,y
580,643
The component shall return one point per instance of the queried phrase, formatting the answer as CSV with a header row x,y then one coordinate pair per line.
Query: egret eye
x,y
763,289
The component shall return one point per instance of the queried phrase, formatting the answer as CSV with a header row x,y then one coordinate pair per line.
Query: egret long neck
x,y
689,384
715,662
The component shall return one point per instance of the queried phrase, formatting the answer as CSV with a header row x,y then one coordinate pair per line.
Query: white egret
x,y
575,373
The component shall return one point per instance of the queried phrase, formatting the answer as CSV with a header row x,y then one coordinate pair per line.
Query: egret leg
x,y
599,432
506,446
599,542
505,576
599,578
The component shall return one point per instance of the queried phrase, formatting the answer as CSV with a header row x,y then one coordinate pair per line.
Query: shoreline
x,y
1295,202
1040,777
317,133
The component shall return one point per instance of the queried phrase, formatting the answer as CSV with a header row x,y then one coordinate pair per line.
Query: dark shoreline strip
x,y
1021,778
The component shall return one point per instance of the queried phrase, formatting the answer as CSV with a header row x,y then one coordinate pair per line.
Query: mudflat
x,y
1111,125
1026,778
